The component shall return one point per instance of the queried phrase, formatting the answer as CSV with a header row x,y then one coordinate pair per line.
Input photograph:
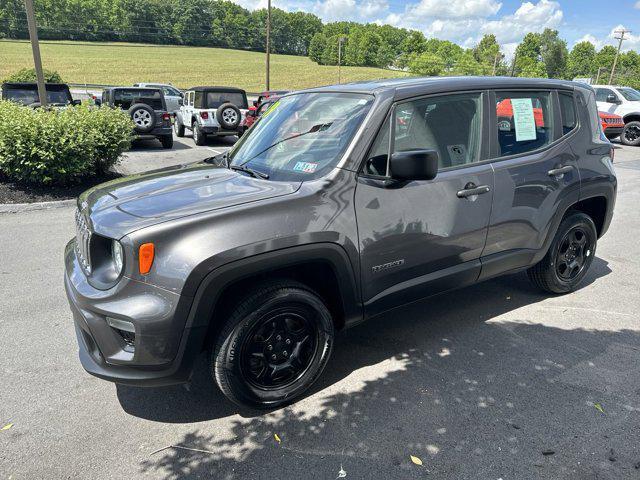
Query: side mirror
x,y
414,165
76,102
611,98
97,102
180,102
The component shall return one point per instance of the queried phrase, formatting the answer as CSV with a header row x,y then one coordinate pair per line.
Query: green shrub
x,y
60,146
29,75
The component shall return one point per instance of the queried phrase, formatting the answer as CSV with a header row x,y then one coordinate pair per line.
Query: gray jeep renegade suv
x,y
341,203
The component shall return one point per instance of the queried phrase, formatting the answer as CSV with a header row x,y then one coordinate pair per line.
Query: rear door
x,y
536,174
421,237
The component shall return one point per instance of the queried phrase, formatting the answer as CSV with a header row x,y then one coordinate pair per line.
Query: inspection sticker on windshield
x,y
523,118
305,167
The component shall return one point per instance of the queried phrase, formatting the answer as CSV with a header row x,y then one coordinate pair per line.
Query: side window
x,y
602,94
426,124
190,101
568,112
198,99
524,121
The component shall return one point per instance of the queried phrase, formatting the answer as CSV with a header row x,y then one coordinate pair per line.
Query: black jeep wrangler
x,y
26,93
147,108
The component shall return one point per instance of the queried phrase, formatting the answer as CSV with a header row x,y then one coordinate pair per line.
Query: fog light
x,y
121,324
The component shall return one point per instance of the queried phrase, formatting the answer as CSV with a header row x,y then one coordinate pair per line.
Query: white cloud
x,y
637,5
452,9
528,18
592,40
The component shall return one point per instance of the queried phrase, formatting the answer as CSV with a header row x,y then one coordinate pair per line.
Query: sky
x,y
465,21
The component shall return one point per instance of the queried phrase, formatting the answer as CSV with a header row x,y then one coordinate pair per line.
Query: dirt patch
x,y
14,192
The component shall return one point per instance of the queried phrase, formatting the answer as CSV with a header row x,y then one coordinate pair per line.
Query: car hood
x,y
126,204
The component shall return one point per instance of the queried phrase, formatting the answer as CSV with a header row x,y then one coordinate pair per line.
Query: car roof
x,y
52,86
217,89
406,87
134,88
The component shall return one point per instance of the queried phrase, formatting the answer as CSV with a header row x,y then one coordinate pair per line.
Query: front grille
x,y
83,242
614,120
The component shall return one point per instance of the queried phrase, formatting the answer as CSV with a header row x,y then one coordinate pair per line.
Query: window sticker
x,y
457,154
523,119
305,167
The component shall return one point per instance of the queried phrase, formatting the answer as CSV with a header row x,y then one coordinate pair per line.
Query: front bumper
x,y
613,132
164,348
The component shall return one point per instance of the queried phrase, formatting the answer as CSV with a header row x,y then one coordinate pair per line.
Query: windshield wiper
x,y
250,171
321,127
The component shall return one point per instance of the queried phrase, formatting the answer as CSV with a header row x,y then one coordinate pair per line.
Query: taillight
x,y
166,117
204,115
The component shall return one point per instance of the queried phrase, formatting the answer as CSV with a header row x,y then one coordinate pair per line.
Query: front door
x,y
421,237
536,174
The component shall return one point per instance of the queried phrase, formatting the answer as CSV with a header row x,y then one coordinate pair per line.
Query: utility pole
x,y
340,40
268,40
620,37
495,63
35,46
513,65
598,75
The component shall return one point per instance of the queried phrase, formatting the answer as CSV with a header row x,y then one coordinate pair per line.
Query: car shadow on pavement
x,y
418,326
466,383
148,144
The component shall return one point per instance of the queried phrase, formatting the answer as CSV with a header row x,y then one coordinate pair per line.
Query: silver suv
x,y
339,204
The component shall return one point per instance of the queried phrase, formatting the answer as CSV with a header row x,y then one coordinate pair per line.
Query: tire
x,y
228,116
631,134
143,116
178,127
199,137
166,141
250,362
569,257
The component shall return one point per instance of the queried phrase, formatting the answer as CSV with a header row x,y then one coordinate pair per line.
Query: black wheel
x,y
199,137
569,257
631,134
166,141
274,345
178,127
143,116
228,116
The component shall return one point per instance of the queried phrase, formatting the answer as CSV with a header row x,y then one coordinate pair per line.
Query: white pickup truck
x,y
218,111
623,101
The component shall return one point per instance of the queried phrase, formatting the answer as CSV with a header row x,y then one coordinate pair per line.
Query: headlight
x,y
118,256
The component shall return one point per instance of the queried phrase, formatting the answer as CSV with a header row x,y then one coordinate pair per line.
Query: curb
x,y
28,207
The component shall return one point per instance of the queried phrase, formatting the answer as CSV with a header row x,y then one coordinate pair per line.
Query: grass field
x,y
125,64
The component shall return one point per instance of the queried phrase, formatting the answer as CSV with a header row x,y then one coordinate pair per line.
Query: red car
x,y
265,100
612,124
504,111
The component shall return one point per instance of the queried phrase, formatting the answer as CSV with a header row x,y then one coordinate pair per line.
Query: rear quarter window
x,y
568,112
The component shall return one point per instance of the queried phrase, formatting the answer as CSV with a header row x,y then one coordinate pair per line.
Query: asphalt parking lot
x,y
493,381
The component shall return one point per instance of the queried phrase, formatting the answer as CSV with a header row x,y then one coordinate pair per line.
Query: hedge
x,y
60,146
29,75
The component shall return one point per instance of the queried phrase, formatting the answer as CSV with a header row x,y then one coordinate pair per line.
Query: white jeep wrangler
x,y
218,111
623,101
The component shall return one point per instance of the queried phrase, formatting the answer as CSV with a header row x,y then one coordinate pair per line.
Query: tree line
x,y
220,23
211,23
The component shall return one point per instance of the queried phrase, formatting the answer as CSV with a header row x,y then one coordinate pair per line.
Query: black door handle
x,y
556,172
470,190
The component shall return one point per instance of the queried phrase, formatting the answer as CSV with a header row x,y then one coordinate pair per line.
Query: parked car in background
x,y
268,94
26,93
326,214
256,112
147,109
504,112
172,96
623,101
612,124
216,111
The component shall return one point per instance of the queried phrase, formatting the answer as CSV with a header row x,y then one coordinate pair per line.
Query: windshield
x,y
27,96
630,94
303,136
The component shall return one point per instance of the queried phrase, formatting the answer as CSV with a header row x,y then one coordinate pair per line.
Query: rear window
x,y
215,99
126,98
27,96
524,121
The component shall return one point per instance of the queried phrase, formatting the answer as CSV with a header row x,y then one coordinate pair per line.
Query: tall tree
x,y
581,60
553,51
